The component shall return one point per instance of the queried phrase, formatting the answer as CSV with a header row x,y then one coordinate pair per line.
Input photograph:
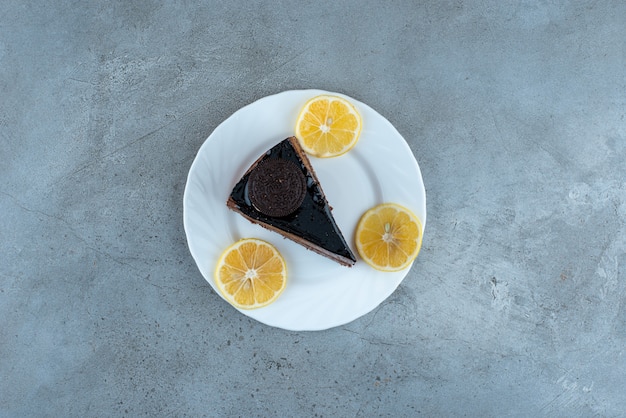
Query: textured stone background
x,y
515,111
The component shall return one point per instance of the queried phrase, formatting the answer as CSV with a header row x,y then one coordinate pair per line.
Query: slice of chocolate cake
x,y
281,192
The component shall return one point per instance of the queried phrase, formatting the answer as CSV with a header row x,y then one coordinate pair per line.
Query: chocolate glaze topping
x,y
311,223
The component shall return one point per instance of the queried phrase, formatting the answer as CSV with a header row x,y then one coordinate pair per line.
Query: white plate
x,y
320,293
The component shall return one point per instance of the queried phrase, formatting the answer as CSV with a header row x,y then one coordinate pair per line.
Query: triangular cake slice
x,y
281,192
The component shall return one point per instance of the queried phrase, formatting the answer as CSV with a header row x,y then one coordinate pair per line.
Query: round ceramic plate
x,y
320,293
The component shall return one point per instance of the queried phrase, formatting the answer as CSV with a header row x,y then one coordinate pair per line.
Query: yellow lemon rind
x,y
230,298
410,259
330,98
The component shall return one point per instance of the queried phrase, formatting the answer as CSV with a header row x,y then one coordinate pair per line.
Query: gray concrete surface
x,y
515,111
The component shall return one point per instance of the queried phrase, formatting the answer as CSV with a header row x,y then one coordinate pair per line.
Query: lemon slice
x,y
389,237
328,126
251,273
